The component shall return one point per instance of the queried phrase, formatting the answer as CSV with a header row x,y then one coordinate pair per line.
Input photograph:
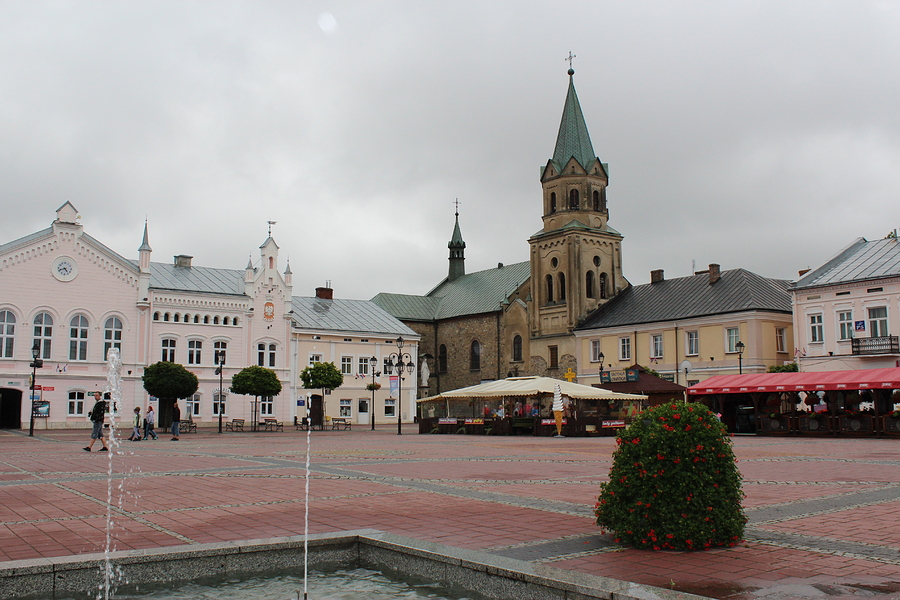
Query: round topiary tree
x,y
674,484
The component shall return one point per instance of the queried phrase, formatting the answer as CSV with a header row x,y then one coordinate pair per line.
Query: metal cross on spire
x,y
456,202
270,227
570,57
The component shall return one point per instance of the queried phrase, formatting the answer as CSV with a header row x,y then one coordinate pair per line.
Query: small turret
x,y
457,252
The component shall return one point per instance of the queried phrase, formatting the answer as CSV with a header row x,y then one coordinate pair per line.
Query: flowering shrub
x,y
674,484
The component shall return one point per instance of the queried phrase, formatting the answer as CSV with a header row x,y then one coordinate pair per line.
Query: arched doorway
x,y
10,408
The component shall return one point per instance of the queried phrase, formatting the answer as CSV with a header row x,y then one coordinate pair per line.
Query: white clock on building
x,y
65,268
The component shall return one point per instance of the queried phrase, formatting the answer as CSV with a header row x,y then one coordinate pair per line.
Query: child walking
x,y
136,432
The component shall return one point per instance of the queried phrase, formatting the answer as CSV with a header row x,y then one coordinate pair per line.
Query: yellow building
x,y
690,328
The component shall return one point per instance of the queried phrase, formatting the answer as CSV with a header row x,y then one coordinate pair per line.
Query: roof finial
x,y
571,70
270,227
456,202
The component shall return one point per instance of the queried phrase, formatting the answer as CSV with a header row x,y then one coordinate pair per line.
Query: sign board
x,y
447,421
551,421
859,325
620,376
40,409
269,311
670,377
474,421
608,424
49,389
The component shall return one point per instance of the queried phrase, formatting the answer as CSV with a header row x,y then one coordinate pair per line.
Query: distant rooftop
x,y
860,261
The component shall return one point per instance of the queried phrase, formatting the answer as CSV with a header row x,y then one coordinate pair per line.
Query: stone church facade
x,y
519,319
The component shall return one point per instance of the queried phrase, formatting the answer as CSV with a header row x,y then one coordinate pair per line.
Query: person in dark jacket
x,y
176,421
97,414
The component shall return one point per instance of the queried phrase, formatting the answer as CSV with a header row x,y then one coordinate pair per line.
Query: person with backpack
x,y
97,415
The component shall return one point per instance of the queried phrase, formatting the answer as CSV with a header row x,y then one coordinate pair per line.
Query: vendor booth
x,y
523,405
864,402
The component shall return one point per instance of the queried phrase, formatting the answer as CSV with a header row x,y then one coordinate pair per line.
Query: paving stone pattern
x,y
824,514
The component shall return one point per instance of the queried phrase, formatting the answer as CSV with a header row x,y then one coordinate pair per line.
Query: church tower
x,y
576,262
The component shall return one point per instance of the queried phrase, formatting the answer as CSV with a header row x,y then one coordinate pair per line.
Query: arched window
x,y
271,262
156,316
549,288
603,285
112,335
216,320
168,350
187,318
442,359
475,356
226,321
177,317
194,348
553,202
589,285
562,287
596,200
220,349
7,333
78,338
166,317
573,199
196,318
517,349
234,321
206,320
43,333
266,355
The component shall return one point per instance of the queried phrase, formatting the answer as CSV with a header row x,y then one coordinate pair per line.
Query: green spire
x,y
573,138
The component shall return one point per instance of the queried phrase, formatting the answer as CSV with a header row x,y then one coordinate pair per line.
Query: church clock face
x,y
65,268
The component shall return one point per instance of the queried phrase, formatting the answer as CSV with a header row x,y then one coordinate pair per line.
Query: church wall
x,y
458,334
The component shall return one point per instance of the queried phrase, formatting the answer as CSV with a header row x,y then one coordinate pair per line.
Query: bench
x,y
522,423
341,422
188,426
301,425
272,425
234,425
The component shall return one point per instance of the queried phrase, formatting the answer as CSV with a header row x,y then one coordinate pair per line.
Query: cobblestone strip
x,y
820,506
130,515
824,545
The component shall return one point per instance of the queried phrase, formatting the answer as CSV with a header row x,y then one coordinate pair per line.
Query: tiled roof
x,y
165,276
573,138
469,294
360,316
33,237
860,261
687,297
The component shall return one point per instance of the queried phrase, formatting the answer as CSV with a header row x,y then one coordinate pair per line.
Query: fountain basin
x,y
483,573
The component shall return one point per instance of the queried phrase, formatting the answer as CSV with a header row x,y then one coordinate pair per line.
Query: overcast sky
x,y
761,135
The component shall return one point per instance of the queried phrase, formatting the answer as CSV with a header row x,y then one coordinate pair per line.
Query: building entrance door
x,y
10,408
362,412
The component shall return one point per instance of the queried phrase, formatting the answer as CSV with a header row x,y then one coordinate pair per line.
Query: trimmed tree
x,y
674,484
256,381
168,381
321,376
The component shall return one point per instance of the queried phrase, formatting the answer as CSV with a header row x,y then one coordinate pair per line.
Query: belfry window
x,y
562,287
589,285
596,200
549,288
573,199
553,202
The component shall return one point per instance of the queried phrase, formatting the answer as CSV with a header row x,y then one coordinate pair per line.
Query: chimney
x,y
714,274
183,260
325,293
803,272
656,276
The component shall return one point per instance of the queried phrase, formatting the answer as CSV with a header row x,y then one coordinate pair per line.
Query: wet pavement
x,y
824,514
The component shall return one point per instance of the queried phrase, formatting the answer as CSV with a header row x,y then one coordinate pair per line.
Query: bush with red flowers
x,y
674,483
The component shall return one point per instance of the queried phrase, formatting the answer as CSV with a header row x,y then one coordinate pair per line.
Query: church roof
x,y
574,225
470,294
688,297
456,240
360,316
862,260
573,138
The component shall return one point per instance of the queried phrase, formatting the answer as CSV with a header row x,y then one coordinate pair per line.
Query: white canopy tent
x,y
532,387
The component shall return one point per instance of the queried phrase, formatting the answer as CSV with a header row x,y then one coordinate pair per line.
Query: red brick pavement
x,y
470,492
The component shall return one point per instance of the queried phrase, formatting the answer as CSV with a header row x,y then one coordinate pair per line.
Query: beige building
x,y
690,328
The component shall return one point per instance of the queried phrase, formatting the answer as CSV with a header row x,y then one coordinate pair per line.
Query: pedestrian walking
x,y
136,421
97,415
176,421
150,423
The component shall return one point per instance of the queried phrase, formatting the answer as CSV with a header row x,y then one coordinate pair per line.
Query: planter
x,y
814,424
779,424
891,425
856,424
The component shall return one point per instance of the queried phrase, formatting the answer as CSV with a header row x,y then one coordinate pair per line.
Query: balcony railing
x,y
889,344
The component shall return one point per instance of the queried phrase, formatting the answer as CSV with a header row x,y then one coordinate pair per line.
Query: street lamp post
x,y
601,357
220,361
740,348
35,363
400,360
372,362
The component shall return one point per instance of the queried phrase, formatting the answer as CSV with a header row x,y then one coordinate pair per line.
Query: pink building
x,y
70,298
